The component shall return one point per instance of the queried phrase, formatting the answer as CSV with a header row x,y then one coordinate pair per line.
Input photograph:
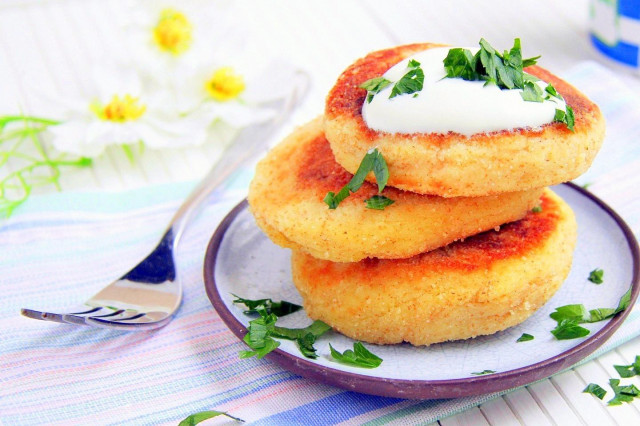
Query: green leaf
x,y
304,337
378,202
596,276
565,117
305,344
505,70
624,302
625,371
530,61
569,329
537,209
374,86
411,82
552,91
600,314
595,390
532,92
525,337
380,171
279,309
575,312
459,63
569,316
317,328
373,161
258,335
196,418
622,393
483,372
358,357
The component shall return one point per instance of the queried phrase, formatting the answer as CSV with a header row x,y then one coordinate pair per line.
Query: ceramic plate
x,y
240,259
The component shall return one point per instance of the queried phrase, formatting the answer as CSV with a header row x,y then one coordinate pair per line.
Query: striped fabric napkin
x,y
61,248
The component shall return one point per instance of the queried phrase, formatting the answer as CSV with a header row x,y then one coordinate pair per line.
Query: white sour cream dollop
x,y
453,104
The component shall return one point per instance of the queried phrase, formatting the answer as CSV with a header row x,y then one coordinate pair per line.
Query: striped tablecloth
x,y
60,248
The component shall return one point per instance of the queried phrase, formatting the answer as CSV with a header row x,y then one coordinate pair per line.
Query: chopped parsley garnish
x,y
374,162
374,86
358,357
196,418
261,332
532,92
565,117
570,316
258,336
411,82
596,276
279,309
378,202
483,372
304,337
506,71
569,329
622,393
525,337
537,209
626,371
595,390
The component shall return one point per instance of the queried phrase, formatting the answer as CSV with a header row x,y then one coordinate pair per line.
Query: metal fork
x,y
148,295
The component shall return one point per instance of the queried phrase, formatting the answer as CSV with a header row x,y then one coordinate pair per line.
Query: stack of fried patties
x,y
473,242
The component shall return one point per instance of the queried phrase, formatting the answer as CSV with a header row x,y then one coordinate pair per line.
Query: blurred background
x,y
50,49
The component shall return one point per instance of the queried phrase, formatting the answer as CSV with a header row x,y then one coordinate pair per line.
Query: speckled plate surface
x,y
240,259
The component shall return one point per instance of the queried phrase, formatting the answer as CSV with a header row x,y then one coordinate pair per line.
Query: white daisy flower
x,y
120,112
198,54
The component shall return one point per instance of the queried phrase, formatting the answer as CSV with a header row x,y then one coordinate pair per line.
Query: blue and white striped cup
x,y
615,30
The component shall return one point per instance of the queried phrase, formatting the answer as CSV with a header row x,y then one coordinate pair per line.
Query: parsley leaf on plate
x,y
258,336
596,276
525,337
279,309
358,357
569,329
569,316
304,337
483,372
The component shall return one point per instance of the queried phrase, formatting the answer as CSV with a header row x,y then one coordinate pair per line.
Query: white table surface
x,y
54,42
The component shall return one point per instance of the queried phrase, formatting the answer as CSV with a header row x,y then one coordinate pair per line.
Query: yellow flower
x,y
172,33
119,109
225,84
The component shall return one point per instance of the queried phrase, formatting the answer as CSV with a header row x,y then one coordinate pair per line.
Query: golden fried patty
x,y
452,164
287,192
482,285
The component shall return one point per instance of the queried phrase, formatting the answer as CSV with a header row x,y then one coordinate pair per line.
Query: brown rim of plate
x,y
428,389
